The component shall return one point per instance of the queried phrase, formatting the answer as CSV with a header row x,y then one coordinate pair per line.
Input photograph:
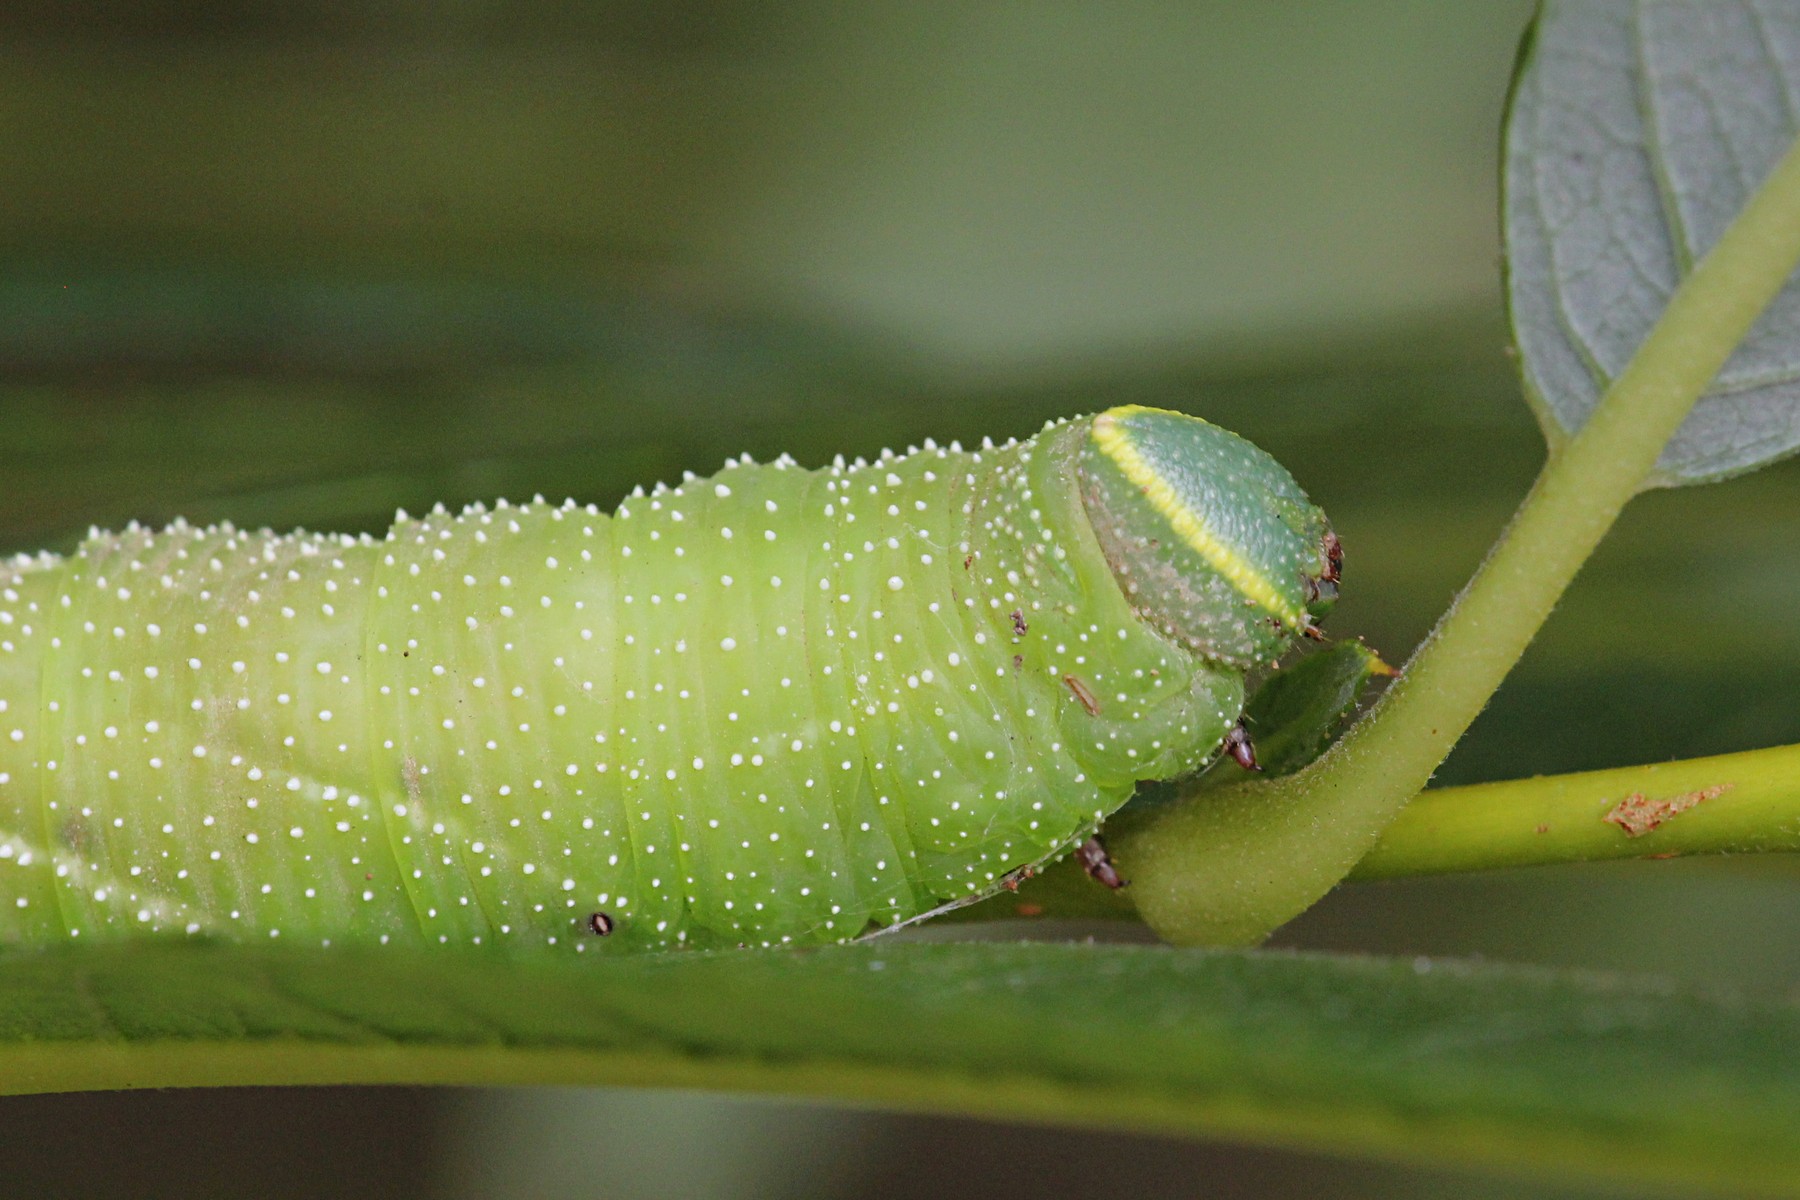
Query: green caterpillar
x,y
772,706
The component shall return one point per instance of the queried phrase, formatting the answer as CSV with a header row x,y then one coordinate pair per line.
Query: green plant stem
x,y
1744,803
1730,804
1233,866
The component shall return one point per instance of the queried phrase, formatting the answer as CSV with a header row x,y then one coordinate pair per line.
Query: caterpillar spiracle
x,y
772,706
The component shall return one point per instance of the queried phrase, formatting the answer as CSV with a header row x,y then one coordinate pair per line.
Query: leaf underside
x,y
1636,133
1440,1061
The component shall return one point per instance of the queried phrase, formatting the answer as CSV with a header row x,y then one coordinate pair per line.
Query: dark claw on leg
x,y
1334,559
1237,744
1018,875
1096,862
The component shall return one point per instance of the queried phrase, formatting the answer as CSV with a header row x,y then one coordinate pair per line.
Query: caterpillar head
x,y
1211,540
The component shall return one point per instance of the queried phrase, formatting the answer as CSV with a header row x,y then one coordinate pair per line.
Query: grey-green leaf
x,y
1637,130
1441,1061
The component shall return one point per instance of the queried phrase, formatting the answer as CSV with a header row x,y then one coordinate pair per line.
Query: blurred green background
x,y
301,263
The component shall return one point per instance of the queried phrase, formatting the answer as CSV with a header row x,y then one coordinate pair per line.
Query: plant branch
x,y
1232,866
1733,803
1744,803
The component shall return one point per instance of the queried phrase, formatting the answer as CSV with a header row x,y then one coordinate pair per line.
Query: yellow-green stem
x,y
1234,864
1730,804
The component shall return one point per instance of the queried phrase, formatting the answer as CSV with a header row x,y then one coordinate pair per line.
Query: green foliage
x,y
1450,1062
1419,1059
1637,132
1228,869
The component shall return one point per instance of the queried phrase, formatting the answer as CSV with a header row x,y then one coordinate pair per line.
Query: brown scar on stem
x,y
1083,694
1638,814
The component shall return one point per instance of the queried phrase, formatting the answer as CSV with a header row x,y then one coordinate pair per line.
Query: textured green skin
x,y
487,727
1249,501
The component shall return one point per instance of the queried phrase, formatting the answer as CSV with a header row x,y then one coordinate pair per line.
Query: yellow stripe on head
x,y
1114,440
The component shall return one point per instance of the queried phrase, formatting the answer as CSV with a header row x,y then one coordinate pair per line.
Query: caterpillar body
x,y
770,706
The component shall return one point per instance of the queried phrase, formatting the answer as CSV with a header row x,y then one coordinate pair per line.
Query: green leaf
x,y
1441,1061
1637,131
1298,710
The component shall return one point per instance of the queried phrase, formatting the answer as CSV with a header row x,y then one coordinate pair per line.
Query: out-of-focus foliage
x,y
1509,1066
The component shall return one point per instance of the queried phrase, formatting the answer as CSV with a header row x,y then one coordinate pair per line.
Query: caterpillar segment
x,y
771,706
